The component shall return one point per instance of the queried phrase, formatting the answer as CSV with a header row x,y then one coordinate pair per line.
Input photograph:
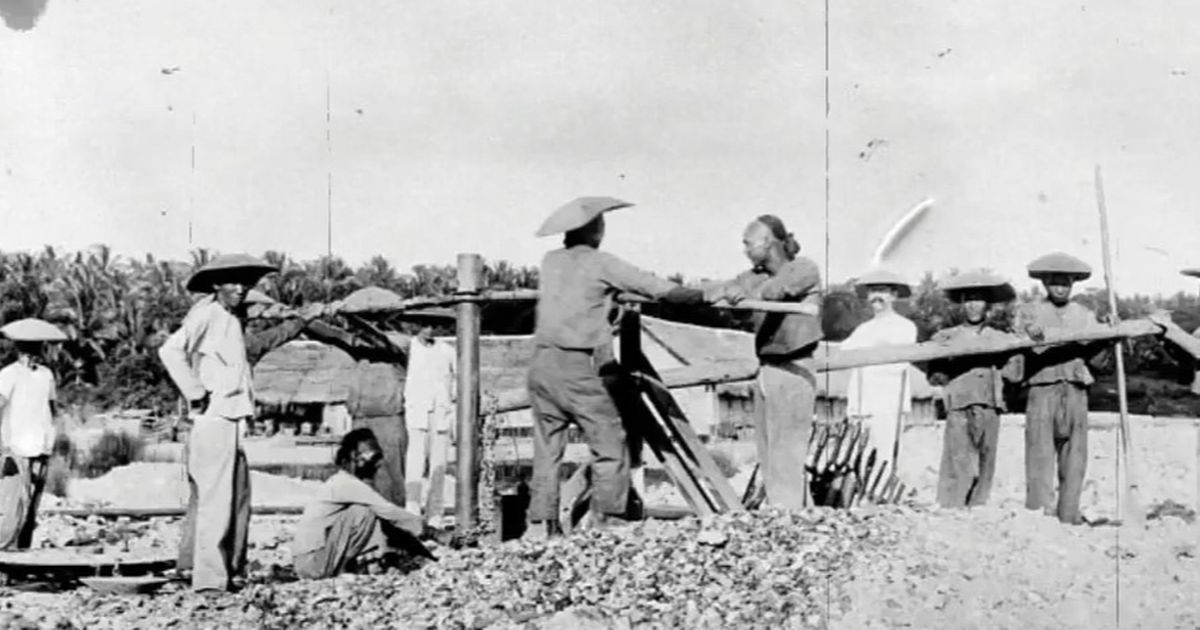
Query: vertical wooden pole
x,y
630,350
470,281
1132,505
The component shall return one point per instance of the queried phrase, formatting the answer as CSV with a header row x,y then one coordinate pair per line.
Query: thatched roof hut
x,y
303,372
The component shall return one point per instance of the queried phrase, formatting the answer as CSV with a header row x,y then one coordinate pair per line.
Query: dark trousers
x,y
565,387
968,456
1056,437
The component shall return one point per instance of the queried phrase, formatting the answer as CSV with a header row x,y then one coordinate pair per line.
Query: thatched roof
x,y
303,372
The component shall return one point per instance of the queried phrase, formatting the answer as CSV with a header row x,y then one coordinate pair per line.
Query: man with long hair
x,y
786,390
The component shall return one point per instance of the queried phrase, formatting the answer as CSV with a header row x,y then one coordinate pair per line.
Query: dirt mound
x,y
164,485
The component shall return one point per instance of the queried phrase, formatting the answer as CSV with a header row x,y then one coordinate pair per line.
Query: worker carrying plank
x,y
1057,378
573,339
27,406
784,420
973,388
880,395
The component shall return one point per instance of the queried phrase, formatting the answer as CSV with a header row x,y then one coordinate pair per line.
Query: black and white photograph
x,y
581,315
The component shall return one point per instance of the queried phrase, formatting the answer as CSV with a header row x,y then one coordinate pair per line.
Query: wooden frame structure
x,y
656,403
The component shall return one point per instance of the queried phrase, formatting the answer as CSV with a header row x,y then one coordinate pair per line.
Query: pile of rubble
x,y
763,569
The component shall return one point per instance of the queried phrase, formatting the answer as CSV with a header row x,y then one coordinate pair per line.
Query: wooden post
x,y
470,281
1133,509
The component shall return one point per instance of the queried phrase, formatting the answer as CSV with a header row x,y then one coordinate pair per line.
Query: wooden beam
x,y
470,281
719,372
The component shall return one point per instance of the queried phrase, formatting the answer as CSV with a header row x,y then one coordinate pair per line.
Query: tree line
x,y
117,310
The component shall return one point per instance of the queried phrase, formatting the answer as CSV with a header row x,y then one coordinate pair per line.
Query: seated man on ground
x,y
348,526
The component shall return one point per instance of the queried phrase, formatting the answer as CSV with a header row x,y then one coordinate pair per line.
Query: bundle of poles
x,y
470,295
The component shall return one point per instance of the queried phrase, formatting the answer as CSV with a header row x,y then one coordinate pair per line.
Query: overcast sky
x,y
458,126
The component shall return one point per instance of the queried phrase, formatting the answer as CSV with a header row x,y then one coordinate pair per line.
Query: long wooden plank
x,y
681,471
695,449
738,371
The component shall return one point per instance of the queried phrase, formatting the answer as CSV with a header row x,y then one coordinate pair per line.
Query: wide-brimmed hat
x,y
579,213
1191,271
32,330
372,300
1059,263
242,268
997,289
883,278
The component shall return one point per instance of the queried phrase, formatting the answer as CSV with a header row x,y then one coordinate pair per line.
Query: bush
x,y
113,449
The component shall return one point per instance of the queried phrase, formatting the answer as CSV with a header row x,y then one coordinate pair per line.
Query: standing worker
x,y
206,358
259,340
27,406
973,387
1056,414
573,339
880,395
429,412
784,417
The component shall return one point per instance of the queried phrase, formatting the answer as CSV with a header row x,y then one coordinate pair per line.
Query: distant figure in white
x,y
880,395
429,413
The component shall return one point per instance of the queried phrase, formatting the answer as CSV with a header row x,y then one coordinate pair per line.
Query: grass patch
x,y
113,449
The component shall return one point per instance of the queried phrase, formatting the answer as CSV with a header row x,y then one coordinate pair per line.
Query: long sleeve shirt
x,y
339,492
207,354
260,342
1063,363
576,294
876,390
978,379
429,385
780,336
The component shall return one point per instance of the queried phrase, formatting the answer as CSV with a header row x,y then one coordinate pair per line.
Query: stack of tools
x,y
841,472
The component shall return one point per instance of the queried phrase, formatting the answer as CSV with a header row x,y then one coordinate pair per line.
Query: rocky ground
x,y
910,566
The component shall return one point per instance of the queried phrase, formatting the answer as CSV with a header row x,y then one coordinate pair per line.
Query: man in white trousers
x,y
429,413
206,358
878,395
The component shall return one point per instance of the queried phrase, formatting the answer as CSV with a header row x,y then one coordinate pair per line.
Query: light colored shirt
x,y
577,286
339,492
876,390
429,388
1060,364
207,354
27,421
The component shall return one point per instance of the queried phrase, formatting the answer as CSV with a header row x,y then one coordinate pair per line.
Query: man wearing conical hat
x,y
1056,422
27,406
973,389
573,338
880,395
206,358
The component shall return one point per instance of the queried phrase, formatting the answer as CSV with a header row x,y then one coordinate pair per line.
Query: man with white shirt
x,y
879,395
207,359
428,412
27,399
